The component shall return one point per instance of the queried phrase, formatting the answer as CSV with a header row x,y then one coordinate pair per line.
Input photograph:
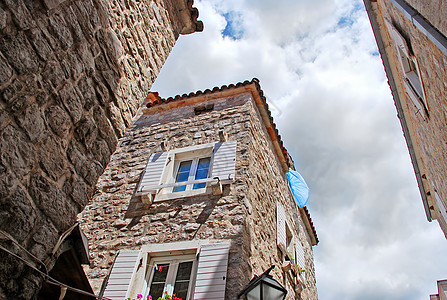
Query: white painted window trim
x,y
192,173
151,254
164,190
281,231
410,68
173,261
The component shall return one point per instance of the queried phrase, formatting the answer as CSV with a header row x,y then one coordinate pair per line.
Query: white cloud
x,y
337,119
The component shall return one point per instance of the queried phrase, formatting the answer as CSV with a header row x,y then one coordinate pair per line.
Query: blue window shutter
x,y
153,171
211,272
121,274
224,161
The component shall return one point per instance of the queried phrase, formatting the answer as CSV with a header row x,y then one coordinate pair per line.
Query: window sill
x,y
184,194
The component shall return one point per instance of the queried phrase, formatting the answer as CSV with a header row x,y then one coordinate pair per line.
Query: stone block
x,y
105,128
88,169
15,152
52,158
6,182
3,18
51,4
72,21
78,190
86,131
61,30
12,90
72,65
19,216
85,87
53,202
58,119
22,16
40,43
33,123
86,56
6,72
19,53
110,44
71,101
53,73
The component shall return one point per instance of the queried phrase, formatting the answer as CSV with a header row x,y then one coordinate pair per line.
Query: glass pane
x,y
254,294
158,281
271,293
156,290
202,172
181,290
182,175
182,279
184,271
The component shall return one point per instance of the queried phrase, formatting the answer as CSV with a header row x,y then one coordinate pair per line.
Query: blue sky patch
x,y
233,29
345,21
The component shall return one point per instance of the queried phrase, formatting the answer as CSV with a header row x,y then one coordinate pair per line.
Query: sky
x,y
319,67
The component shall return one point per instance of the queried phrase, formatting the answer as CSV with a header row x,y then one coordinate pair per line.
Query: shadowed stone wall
x,y
72,76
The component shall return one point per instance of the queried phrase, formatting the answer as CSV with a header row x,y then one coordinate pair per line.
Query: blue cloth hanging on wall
x,y
299,187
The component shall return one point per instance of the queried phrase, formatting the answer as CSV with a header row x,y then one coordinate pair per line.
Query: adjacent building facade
x,y
195,202
442,291
73,74
411,35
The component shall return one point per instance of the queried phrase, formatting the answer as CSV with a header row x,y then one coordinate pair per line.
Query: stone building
x,y
195,201
442,291
72,76
411,35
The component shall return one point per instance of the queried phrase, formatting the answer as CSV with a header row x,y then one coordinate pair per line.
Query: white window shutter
x,y
212,272
121,274
300,260
281,225
224,161
153,172
397,38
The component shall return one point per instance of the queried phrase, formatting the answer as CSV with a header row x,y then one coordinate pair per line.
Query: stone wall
x,y
104,219
265,189
435,11
430,133
73,74
244,213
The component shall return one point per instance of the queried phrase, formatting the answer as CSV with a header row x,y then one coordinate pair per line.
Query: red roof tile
x,y
153,99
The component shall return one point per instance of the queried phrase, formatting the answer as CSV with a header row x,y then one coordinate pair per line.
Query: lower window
x,y
172,275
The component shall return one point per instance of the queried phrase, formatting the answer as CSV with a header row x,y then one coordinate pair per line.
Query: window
x,y
192,170
172,275
285,237
187,171
410,68
190,269
300,259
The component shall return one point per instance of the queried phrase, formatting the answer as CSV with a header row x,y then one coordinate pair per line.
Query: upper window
x,y
188,171
192,170
410,68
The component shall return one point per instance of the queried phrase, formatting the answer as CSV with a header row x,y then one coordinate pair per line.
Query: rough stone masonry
x,y
244,214
72,76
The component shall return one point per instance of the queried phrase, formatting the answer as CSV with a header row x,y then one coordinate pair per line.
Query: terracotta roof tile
x,y
153,99
194,15
311,223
